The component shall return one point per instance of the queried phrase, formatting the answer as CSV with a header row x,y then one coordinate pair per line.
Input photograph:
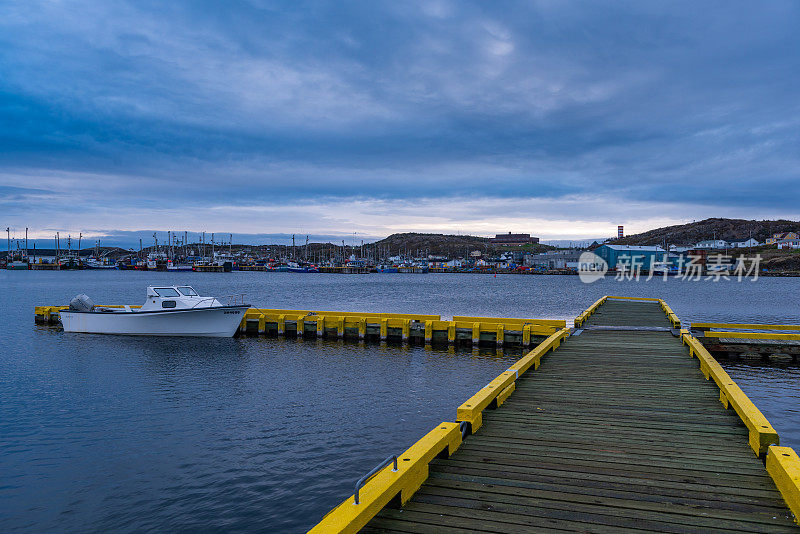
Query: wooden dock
x,y
616,430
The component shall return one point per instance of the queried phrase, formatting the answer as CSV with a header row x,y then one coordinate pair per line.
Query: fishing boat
x,y
70,261
301,267
168,311
173,266
98,263
157,261
17,263
279,267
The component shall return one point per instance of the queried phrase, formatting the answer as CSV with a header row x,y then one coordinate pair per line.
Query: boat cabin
x,y
176,297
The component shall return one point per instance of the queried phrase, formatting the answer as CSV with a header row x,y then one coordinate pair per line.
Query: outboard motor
x,y
81,303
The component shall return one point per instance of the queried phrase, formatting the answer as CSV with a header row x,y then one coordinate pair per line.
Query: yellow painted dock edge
x,y
740,326
501,387
413,464
580,319
536,327
708,331
647,299
783,465
753,335
412,471
673,318
762,435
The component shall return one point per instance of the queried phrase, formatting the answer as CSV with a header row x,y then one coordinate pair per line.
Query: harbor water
x,y
128,434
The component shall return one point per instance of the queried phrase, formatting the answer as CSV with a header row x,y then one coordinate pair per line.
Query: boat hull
x,y
219,321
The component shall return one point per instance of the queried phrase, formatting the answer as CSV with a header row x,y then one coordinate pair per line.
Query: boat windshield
x,y
166,292
187,291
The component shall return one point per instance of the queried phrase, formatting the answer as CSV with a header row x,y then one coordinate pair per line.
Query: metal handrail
x,y
199,302
361,481
235,300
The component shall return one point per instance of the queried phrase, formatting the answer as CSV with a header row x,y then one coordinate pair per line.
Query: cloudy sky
x,y
360,119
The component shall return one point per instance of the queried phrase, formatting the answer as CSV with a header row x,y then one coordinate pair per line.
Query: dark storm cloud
x,y
281,102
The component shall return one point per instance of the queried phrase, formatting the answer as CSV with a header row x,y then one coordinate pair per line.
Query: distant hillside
x,y
445,245
727,229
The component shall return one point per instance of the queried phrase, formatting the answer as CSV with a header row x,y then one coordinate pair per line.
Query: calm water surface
x,y
141,434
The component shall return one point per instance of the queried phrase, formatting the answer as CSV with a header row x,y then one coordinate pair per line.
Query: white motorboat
x,y
168,311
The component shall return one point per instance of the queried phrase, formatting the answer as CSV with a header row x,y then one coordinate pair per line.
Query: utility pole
x,y
26,243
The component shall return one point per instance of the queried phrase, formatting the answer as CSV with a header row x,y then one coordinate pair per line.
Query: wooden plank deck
x,y
617,431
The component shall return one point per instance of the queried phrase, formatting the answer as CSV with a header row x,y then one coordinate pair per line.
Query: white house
x,y
714,244
789,243
745,244
680,248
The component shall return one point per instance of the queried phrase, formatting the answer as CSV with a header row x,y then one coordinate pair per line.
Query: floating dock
x,y
767,342
609,427
413,328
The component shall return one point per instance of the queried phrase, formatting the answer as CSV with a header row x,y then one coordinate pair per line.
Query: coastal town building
x,y
514,240
745,244
713,244
781,236
628,255
550,260
789,243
